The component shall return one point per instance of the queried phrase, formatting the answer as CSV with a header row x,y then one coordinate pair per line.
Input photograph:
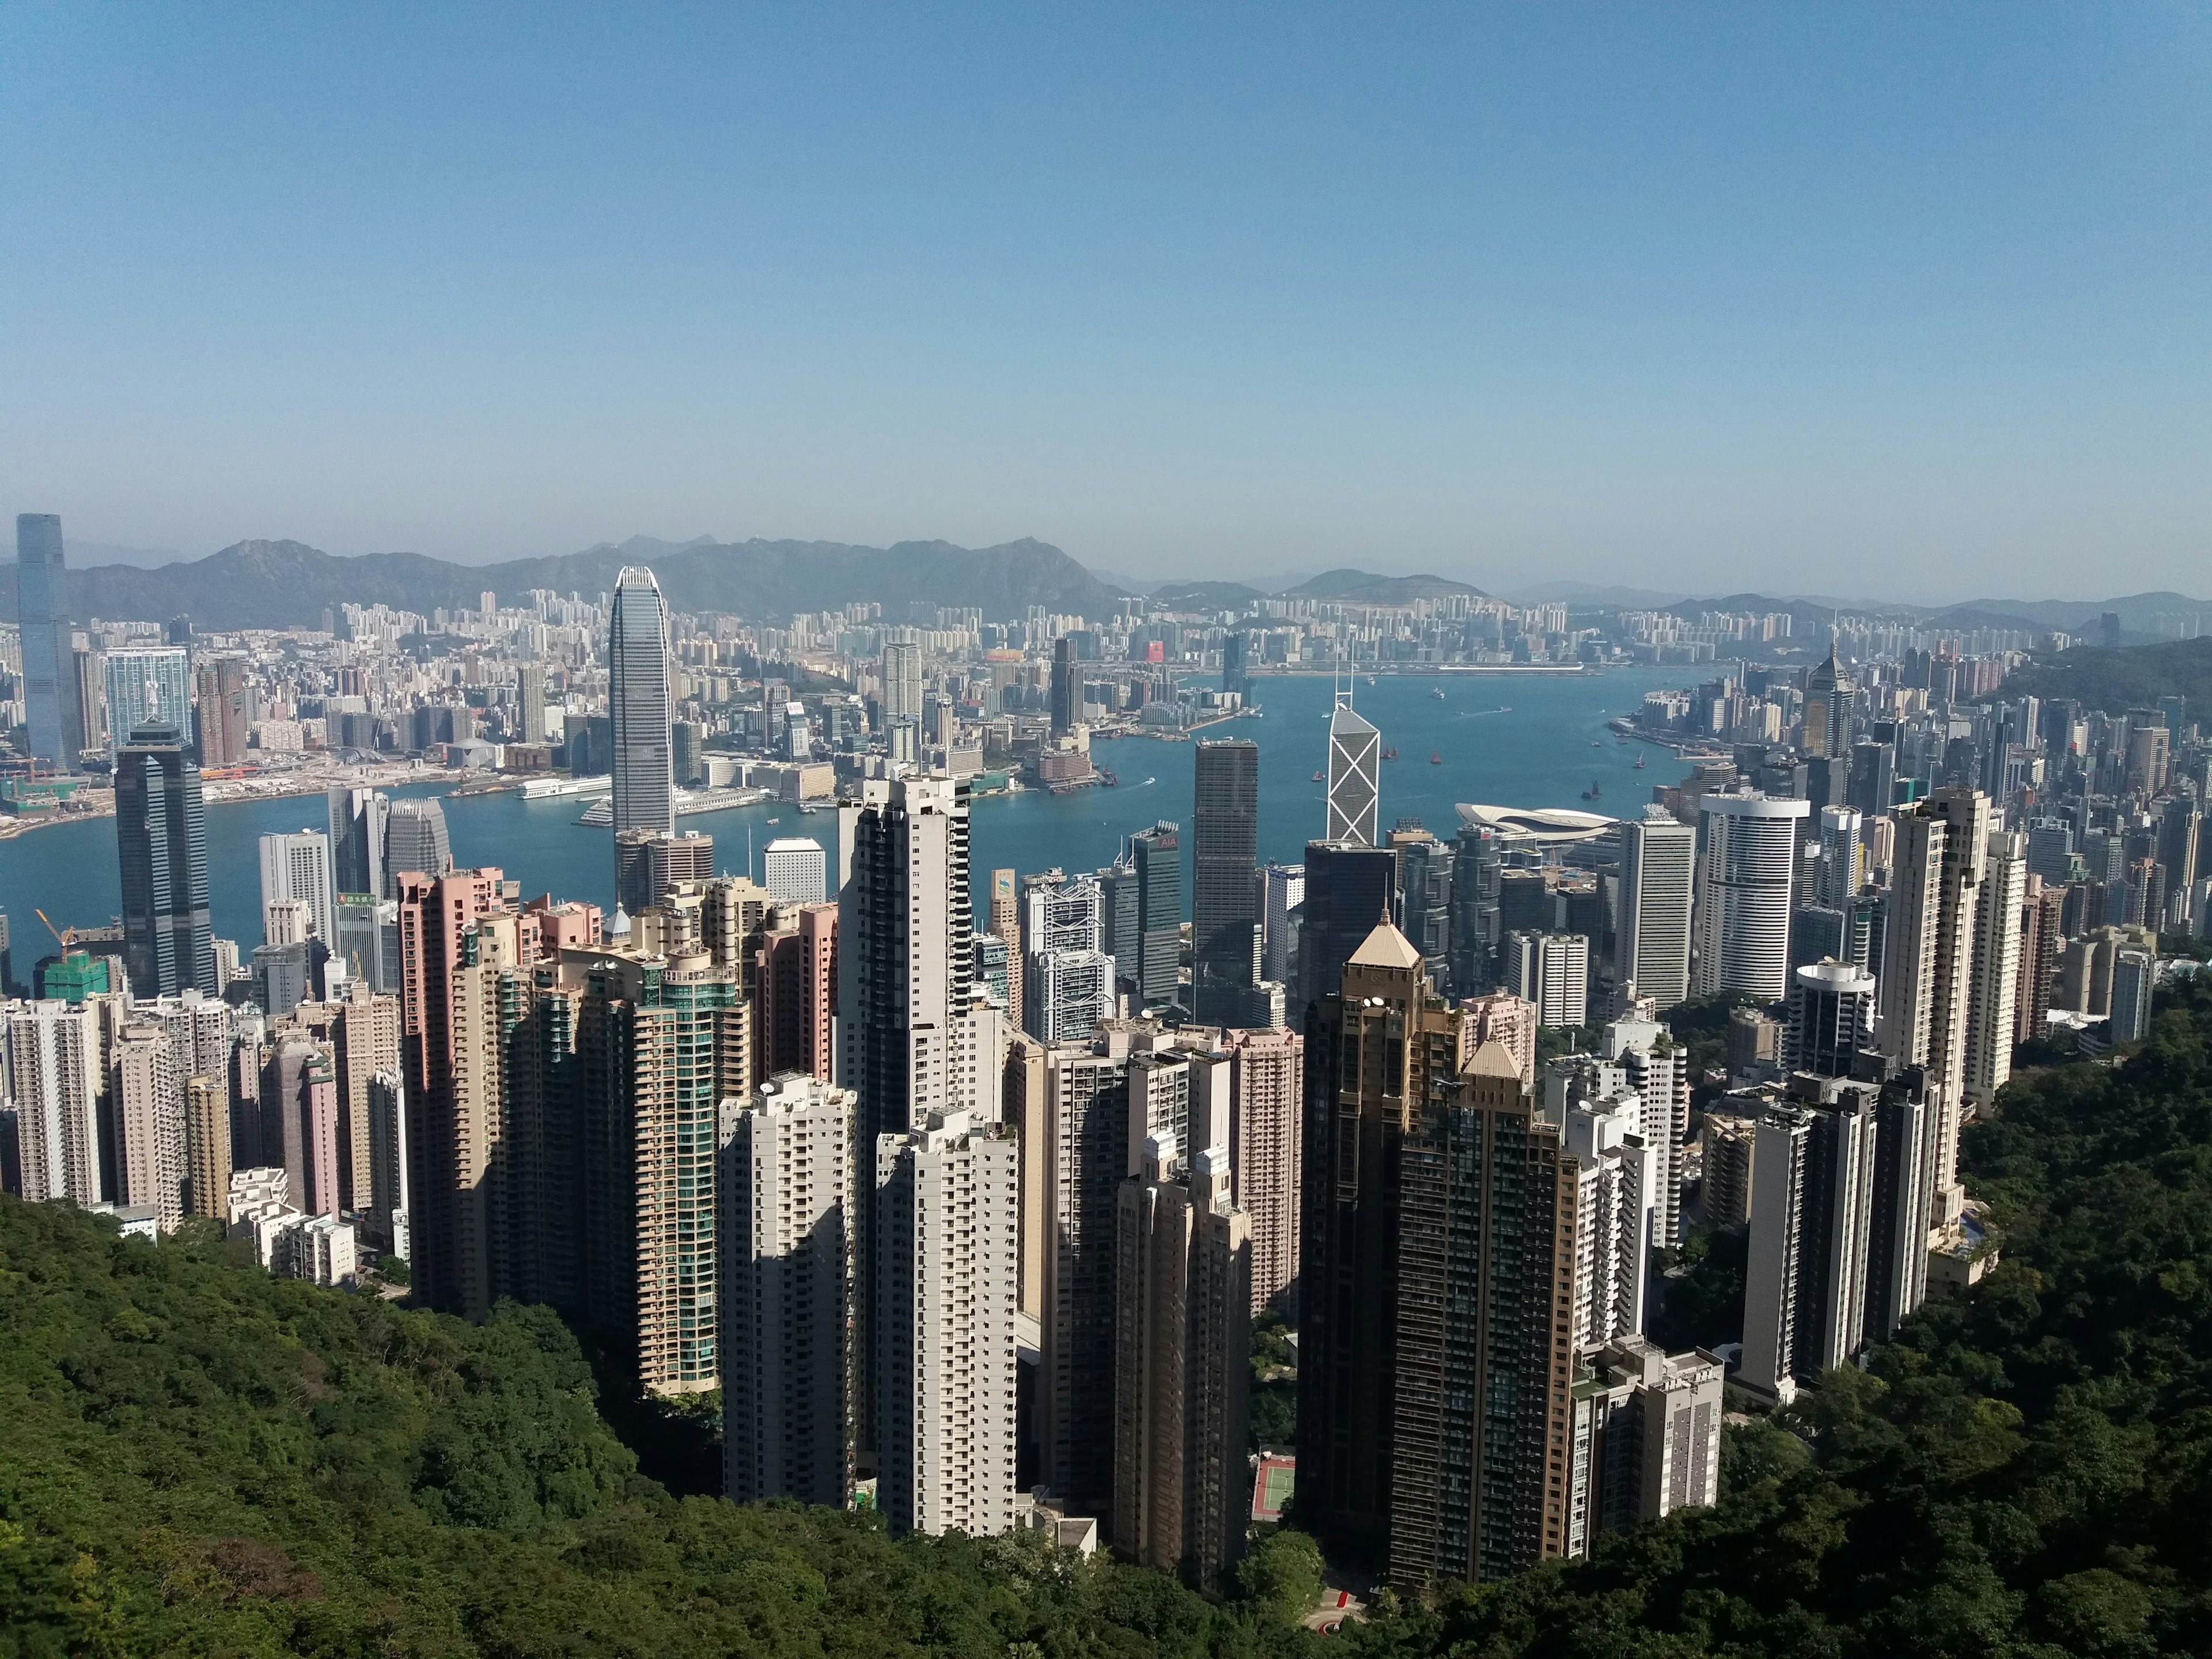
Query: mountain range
x,y
276,584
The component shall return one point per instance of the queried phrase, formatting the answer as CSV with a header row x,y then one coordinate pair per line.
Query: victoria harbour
x,y
1515,739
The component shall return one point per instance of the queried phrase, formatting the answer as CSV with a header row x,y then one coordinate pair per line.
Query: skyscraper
x,y
220,707
296,867
414,840
1743,901
1423,906
1006,924
54,1069
638,705
529,701
1066,686
148,685
1355,776
946,1211
1828,725
1550,971
360,822
1831,1012
1280,920
1993,974
1183,1365
1658,861
1349,889
1158,853
794,870
42,603
1379,1048
787,1282
1267,1154
1224,852
160,833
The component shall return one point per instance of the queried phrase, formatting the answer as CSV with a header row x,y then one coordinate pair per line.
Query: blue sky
x,y
1912,300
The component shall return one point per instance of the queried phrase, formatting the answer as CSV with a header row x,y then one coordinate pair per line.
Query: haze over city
x,y
1882,301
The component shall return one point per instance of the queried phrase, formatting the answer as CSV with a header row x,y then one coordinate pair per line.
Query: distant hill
x,y
1364,587
2132,677
1593,596
277,584
1205,596
2138,612
83,554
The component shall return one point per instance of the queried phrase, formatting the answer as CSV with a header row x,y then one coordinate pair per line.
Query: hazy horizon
x,y
1882,301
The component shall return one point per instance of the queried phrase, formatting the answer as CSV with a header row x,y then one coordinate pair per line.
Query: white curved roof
x,y
1555,824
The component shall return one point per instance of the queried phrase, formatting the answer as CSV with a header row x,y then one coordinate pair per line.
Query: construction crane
x,y
64,938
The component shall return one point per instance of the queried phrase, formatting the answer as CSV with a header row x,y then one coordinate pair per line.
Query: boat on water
x,y
1596,744
1436,692
1639,760
1436,758
1391,753
1318,778
1593,792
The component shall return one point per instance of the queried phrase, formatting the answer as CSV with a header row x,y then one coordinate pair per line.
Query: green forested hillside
x,y
196,1459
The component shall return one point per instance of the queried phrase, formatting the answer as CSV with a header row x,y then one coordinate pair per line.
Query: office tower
x,y
795,871
1224,852
1658,861
160,833
1831,1015
944,1299
1743,900
991,976
296,868
1644,1439
1897,1237
786,1279
1828,725
287,922
1658,1069
1871,791
529,701
1066,994
1993,973
359,825
367,941
1267,1156
2148,755
148,685
1811,1222
55,1074
1818,934
207,1145
796,998
1355,777
1235,676
901,682
638,704
414,840
1377,1048
1182,1366
1119,936
42,603
1840,871
673,860
689,739
1066,687
1486,1307
2135,979
1158,859
2050,851
150,1163
1421,906
1280,919
1553,971
221,713
1477,872
1927,974
2040,938
1348,890
1006,924
88,682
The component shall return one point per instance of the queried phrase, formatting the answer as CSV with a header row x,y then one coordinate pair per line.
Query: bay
x,y
1519,740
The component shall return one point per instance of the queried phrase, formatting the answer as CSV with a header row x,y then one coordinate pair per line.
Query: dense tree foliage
x,y
197,1459
2116,679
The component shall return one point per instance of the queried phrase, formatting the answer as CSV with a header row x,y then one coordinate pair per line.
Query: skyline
x,y
1709,301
